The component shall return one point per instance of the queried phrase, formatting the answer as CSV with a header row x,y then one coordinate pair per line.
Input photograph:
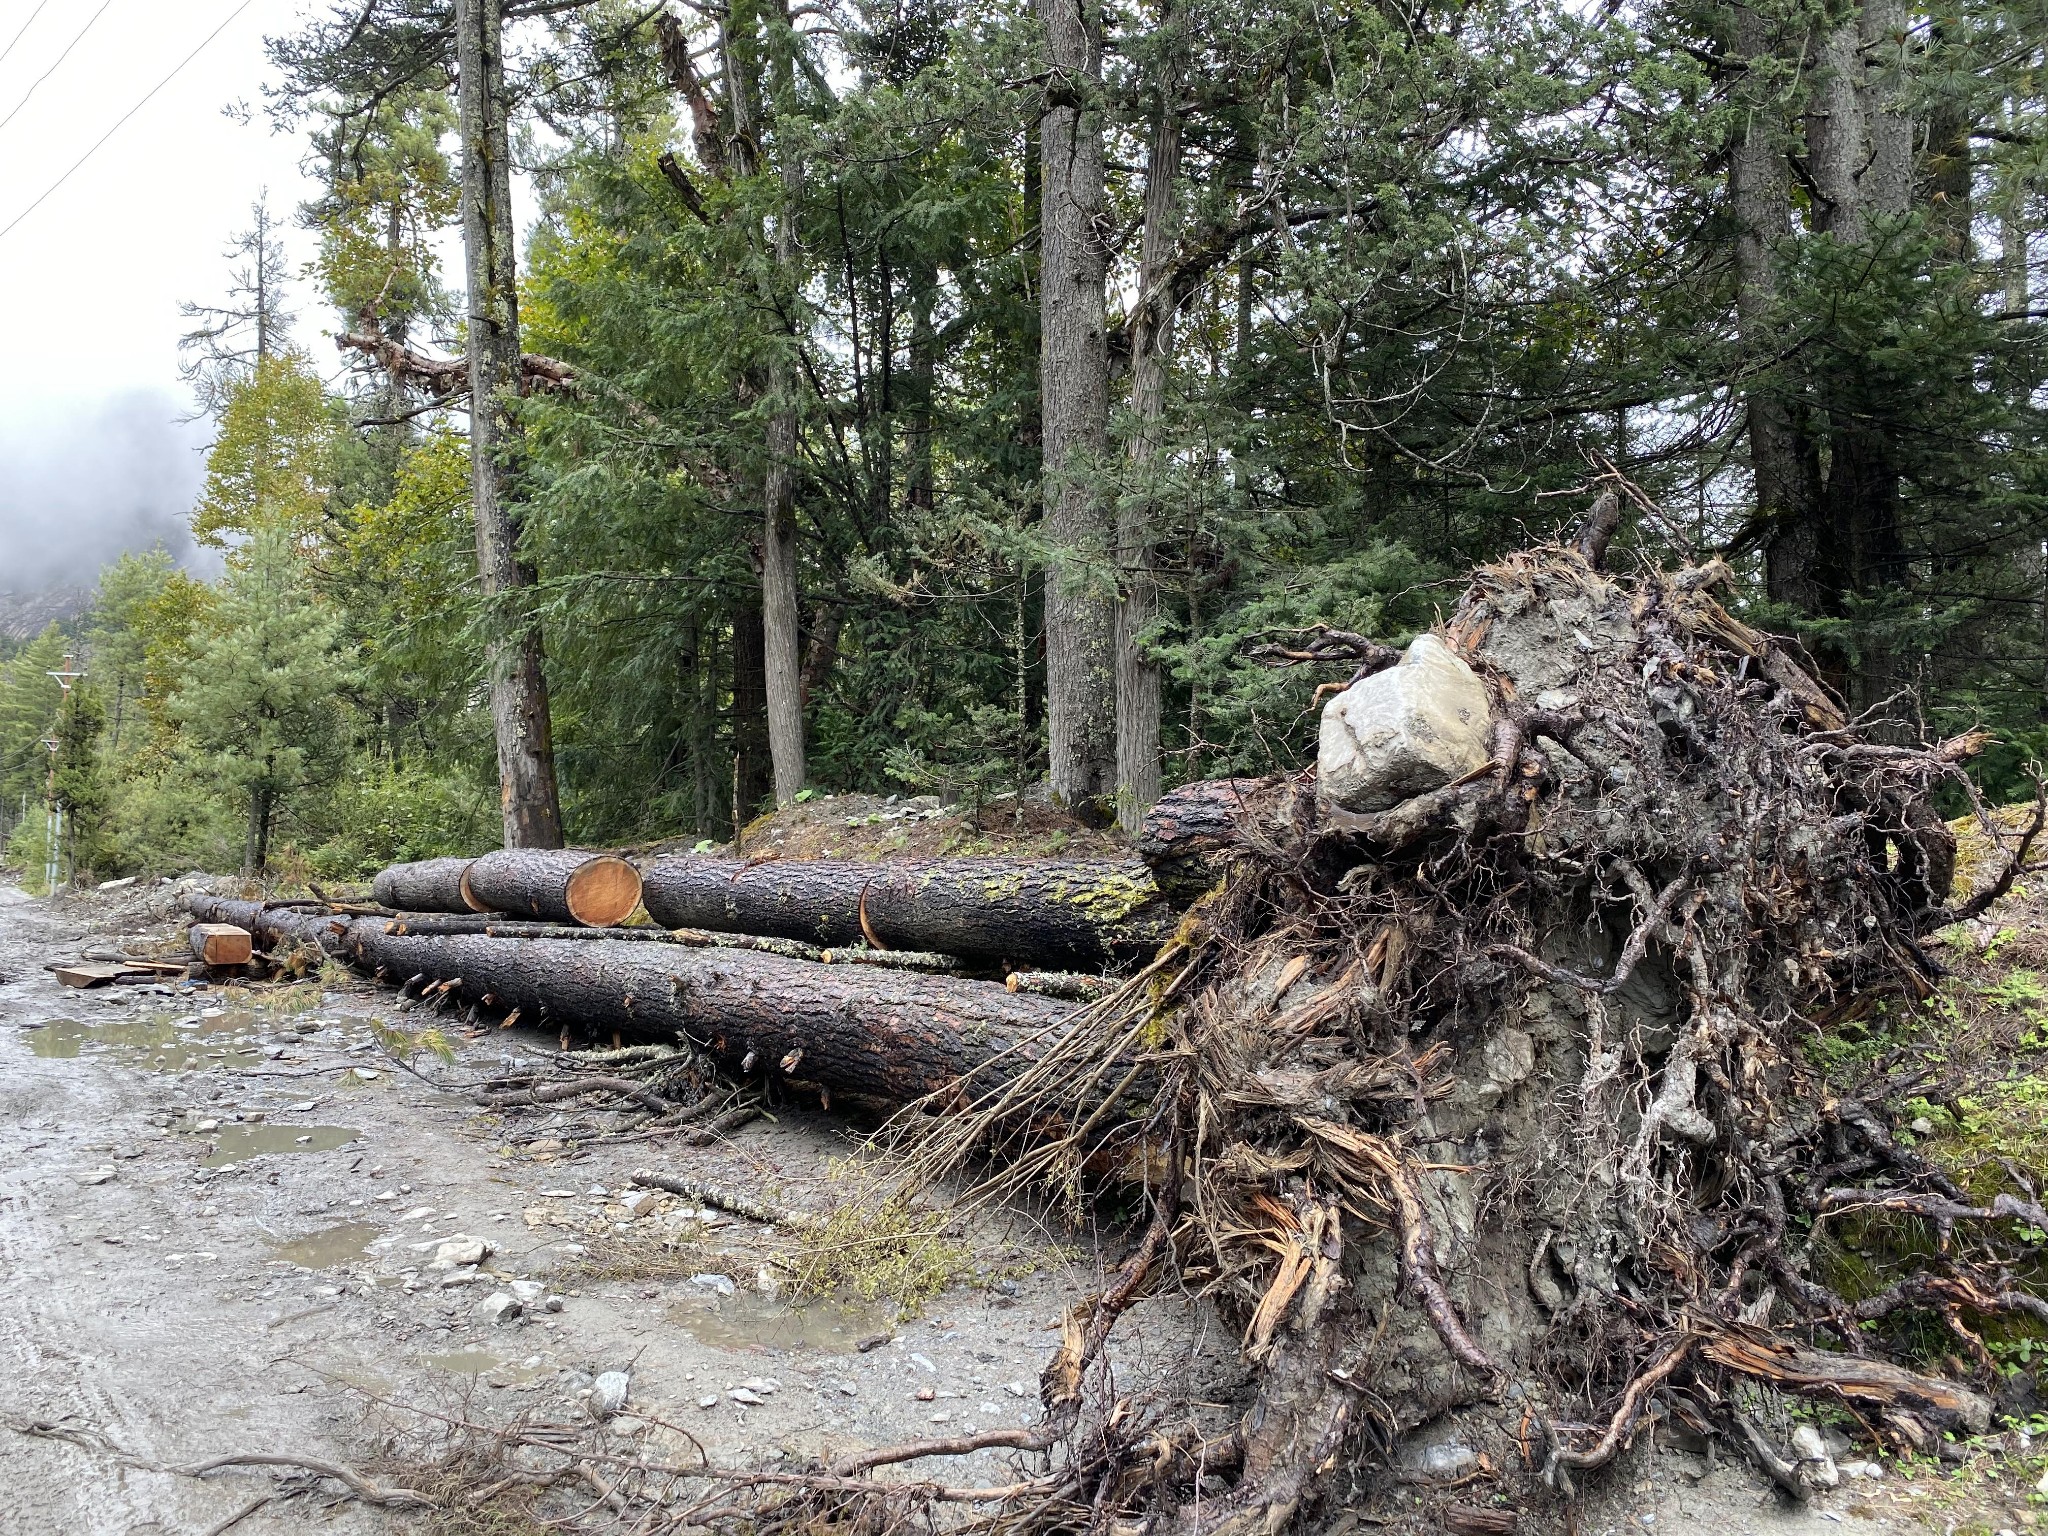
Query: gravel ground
x,y
220,1218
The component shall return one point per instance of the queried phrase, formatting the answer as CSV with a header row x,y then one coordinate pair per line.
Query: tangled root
x,y
1495,1102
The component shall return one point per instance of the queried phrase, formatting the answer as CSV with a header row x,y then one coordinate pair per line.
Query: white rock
x,y
707,1402
499,1307
528,1291
640,1202
767,1282
923,1363
1016,1389
367,1074
1403,732
1815,1463
98,1175
742,1395
206,1125
457,1277
722,1284
2042,1486
1921,1126
608,1393
458,1249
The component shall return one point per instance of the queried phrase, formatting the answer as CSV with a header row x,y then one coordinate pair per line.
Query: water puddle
x,y
747,1321
331,1247
164,1043
478,1362
239,1143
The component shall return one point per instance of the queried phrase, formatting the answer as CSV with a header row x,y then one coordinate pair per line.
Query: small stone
x,y
708,1401
1448,1460
767,1386
528,1291
206,1125
366,1074
2042,1486
640,1202
608,1393
1815,1464
458,1249
458,1278
304,1106
767,1282
499,1307
552,1304
98,1175
1921,1126
722,1284
1016,1389
942,1418
418,1213
742,1395
923,1362
925,1394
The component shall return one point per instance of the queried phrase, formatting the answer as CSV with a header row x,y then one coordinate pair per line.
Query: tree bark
x,y
781,610
1760,190
556,885
1074,389
752,776
894,1035
519,698
1023,911
429,885
1137,610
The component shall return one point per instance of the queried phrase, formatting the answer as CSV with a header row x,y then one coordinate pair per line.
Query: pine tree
x,y
263,703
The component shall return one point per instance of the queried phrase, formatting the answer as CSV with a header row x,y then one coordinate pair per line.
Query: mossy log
x,y
430,885
892,1035
1023,911
555,885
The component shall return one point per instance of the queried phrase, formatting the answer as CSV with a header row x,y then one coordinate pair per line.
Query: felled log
x,y
557,885
894,1035
1189,831
221,943
430,885
1025,911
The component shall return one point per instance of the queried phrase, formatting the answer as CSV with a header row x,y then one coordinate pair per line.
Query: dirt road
x,y
230,1225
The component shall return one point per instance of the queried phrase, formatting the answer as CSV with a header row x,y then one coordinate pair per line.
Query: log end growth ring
x,y
603,892
469,896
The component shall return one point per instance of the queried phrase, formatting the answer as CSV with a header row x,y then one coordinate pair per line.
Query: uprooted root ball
x,y
1494,1103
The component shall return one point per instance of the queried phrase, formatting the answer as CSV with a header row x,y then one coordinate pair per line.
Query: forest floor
x,y
216,1215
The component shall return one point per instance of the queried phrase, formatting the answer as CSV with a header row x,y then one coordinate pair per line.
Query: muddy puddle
x,y
747,1321
239,1143
331,1247
163,1043
478,1362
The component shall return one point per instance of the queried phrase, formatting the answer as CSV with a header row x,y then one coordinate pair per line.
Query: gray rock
x,y
1815,1464
96,1175
458,1250
528,1291
1446,1460
744,1395
499,1307
722,1284
608,1393
1403,732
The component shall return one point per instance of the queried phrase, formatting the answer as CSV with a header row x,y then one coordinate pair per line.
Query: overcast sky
x,y
92,456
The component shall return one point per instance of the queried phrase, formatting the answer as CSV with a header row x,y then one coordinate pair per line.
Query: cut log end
x,y
603,892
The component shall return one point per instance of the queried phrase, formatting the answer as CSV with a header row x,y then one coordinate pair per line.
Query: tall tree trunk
x,y
1760,189
752,774
1137,675
519,695
1074,389
781,283
1834,131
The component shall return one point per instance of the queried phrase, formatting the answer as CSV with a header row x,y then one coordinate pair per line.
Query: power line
x,y
177,70
41,6
75,41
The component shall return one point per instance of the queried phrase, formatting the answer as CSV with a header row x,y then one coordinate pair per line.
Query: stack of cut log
x,y
889,979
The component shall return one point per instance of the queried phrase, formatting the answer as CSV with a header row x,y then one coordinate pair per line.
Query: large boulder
x,y
1403,732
